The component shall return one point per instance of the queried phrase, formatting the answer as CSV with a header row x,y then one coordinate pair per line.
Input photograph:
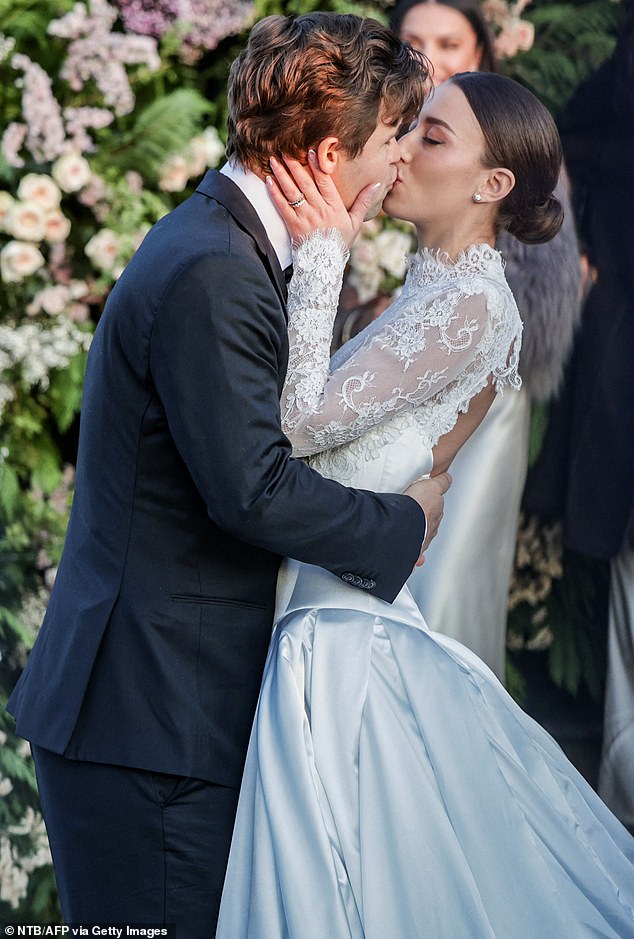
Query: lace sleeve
x,y
313,296
437,344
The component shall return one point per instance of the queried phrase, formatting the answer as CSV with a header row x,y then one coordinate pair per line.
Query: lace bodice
x,y
409,373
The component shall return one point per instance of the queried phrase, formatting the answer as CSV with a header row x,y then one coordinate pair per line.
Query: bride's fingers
x,y
300,218
292,178
307,199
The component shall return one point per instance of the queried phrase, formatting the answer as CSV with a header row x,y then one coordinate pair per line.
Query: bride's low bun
x,y
519,134
538,224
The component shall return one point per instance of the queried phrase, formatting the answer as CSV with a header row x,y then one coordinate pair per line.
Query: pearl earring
x,y
477,197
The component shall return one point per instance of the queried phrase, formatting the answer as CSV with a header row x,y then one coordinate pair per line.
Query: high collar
x,y
431,266
256,192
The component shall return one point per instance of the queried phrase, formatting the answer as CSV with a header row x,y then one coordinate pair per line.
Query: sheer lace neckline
x,y
428,265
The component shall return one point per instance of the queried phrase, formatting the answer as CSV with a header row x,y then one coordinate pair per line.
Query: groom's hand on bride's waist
x,y
430,495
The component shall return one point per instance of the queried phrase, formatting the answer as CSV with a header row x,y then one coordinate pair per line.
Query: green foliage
x,y
298,7
571,41
158,131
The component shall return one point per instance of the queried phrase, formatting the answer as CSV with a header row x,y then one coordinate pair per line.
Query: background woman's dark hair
x,y
520,134
471,11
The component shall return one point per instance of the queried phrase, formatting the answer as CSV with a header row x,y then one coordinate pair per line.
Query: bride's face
x,y
441,164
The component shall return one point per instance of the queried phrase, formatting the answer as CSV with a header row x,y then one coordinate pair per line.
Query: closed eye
x,y
431,140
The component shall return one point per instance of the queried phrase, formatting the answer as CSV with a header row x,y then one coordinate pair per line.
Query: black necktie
x,y
288,273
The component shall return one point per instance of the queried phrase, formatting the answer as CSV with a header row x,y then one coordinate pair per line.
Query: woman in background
x,y
462,589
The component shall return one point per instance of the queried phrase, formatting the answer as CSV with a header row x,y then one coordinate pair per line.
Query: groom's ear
x,y
328,154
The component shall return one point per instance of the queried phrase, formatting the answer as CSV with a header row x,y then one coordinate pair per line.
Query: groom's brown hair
x,y
301,79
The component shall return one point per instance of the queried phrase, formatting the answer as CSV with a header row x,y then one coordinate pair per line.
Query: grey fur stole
x,y
545,280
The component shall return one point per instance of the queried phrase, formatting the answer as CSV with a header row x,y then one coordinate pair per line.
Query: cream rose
x,y
19,259
174,174
25,221
205,150
392,248
71,172
56,227
102,249
36,187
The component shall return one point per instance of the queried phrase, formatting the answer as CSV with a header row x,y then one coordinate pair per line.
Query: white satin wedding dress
x,y
392,788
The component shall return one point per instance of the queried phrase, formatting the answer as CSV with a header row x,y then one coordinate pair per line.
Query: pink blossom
x,y
78,312
517,36
134,181
78,120
201,24
97,54
12,142
94,191
42,113
51,300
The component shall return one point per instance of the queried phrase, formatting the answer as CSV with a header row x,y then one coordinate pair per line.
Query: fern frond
x,y
161,129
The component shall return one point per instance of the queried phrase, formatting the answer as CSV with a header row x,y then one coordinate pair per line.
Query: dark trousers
x,y
132,846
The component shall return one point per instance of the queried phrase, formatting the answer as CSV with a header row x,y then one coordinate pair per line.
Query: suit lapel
x,y
224,191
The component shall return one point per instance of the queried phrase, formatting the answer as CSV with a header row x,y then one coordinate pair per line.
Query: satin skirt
x,y
394,790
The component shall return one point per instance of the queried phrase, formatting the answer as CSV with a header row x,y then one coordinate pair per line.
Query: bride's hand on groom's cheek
x,y
308,200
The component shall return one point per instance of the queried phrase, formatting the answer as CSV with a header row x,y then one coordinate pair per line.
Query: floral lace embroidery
x,y
452,326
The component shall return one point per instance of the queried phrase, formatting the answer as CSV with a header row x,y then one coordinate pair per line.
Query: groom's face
x,y
376,163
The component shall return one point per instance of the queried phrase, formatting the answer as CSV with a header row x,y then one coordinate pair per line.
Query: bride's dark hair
x,y
520,134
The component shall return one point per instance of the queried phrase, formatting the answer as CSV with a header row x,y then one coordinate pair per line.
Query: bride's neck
x,y
453,238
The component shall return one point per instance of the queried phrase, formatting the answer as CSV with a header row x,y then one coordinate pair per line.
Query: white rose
x,y
78,289
102,249
206,149
25,221
364,254
18,260
392,248
6,201
366,282
174,174
71,172
36,187
56,227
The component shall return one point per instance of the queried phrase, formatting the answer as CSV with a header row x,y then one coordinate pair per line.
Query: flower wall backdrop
x,y
110,114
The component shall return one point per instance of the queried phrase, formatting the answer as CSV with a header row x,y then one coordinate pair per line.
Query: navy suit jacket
x,y
154,641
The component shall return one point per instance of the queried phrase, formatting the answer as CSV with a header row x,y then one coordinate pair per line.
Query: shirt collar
x,y
256,192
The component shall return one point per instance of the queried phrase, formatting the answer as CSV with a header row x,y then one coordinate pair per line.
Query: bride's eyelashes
x,y
431,140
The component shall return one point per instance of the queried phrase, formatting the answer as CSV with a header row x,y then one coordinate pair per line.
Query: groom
x,y
139,693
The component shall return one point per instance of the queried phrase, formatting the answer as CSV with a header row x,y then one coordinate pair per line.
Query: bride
x,y
392,789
